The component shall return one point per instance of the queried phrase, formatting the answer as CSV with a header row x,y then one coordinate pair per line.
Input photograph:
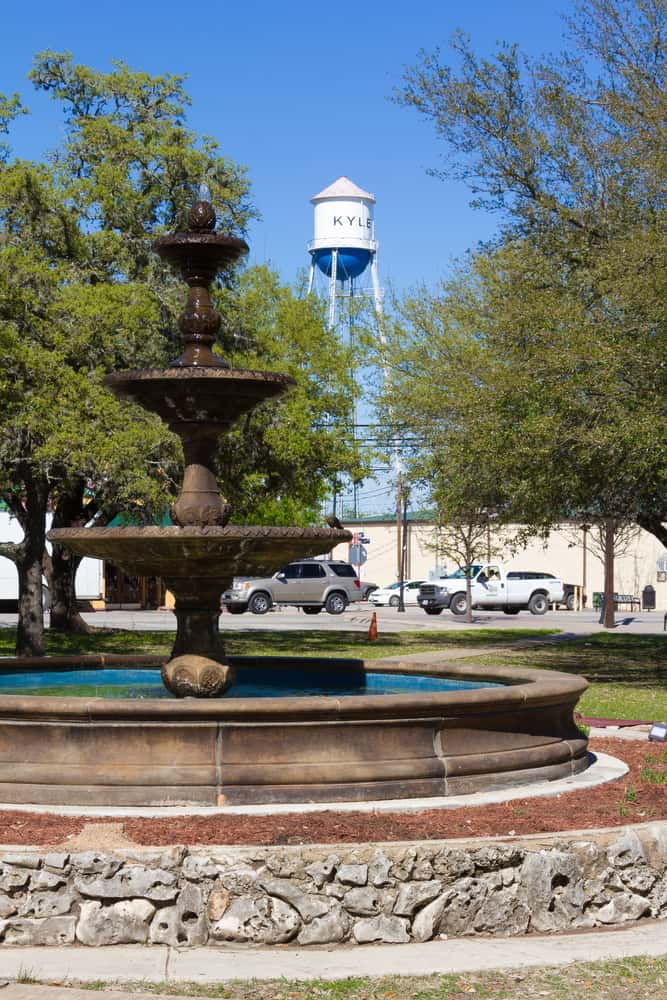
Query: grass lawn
x,y
628,979
627,673
275,643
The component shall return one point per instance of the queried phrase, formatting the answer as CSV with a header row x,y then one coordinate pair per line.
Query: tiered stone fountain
x,y
343,740
199,396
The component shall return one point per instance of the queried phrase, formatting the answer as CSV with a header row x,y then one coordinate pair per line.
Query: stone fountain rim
x,y
526,688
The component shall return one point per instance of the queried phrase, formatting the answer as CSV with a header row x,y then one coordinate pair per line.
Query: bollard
x,y
373,627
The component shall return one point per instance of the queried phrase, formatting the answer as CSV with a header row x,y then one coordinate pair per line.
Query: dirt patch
x,y
634,799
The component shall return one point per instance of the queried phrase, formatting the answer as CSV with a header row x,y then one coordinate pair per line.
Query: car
x,y
492,588
367,589
311,584
391,595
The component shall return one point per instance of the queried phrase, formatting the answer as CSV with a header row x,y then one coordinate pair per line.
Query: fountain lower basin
x,y
291,749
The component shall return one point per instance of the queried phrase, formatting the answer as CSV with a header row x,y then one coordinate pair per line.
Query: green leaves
x,y
545,356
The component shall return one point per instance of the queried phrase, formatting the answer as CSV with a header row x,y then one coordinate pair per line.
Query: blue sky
x,y
298,92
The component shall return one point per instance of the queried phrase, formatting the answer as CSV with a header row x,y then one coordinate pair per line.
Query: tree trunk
x,y
608,619
653,524
70,512
30,554
65,615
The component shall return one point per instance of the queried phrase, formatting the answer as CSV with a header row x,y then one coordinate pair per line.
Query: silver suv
x,y
311,584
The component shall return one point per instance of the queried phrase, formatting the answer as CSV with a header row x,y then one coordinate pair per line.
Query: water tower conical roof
x,y
342,188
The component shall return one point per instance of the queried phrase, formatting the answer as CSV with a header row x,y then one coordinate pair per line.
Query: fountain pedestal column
x,y
198,665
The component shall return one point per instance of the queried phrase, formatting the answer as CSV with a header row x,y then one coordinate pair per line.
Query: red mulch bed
x,y
631,800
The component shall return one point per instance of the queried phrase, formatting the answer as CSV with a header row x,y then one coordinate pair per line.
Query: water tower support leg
x,y
332,289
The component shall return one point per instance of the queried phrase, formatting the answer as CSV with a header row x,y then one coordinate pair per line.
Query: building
x,y
570,553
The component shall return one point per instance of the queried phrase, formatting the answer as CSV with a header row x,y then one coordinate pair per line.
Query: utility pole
x,y
404,550
399,504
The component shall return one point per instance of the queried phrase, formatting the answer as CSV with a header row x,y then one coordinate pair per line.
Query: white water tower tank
x,y
343,222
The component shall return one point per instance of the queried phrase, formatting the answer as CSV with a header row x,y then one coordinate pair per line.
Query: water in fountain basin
x,y
252,682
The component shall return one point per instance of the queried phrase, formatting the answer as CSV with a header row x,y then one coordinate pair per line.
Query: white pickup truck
x,y
492,588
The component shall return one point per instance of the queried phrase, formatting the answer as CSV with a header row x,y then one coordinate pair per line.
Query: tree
x,y
571,152
81,294
277,462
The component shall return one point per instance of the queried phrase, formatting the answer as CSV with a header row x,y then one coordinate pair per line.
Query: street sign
x,y
358,555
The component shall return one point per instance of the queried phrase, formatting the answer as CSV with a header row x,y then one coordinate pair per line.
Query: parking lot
x,y
357,618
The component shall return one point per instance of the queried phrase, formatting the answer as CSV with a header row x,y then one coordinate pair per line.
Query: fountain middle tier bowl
x,y
330,747
198,394
213,553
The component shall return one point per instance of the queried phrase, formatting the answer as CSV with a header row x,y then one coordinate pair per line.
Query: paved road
x,y
357,618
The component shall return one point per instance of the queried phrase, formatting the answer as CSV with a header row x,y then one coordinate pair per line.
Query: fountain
x,y
364,731
199,397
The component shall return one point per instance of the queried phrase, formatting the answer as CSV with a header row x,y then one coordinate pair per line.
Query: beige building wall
x,y
562,554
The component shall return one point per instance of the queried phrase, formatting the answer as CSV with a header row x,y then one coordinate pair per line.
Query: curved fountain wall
x,y
234,751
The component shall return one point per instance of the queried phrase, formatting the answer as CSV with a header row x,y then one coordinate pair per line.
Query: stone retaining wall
x,y
322,895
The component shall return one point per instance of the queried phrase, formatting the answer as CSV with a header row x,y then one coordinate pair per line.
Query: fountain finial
x,y
201,218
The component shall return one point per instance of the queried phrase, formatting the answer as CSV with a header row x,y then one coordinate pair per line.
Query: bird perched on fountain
x,y
333,521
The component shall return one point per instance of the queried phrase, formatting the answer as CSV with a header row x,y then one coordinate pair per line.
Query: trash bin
x,y
648,598
597,600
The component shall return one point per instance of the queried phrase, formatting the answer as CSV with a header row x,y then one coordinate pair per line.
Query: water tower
x,y
344,246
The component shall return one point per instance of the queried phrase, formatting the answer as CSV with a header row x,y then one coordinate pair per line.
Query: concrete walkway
x,y
159,964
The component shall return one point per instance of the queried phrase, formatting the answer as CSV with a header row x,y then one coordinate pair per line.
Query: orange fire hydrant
x,y
373,628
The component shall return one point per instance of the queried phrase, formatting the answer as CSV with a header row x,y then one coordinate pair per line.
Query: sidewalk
x,y
159,964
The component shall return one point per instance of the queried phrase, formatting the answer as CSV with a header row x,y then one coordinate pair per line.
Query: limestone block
x,y
323,871
239,880
378,869
48,904
363,901
124,922
18,860
427,920
47,880
622,907
548,878
467,897
330,928
12,879
51,931
94,863
217,903
196,868
490,859
182,925
353,874
9,905
611,879
161,857
57,860
588,853
260,921
502,912
392,930
284,865
308,907
131,882
412,895
403,867
627,850
451,864
335,890
640,880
